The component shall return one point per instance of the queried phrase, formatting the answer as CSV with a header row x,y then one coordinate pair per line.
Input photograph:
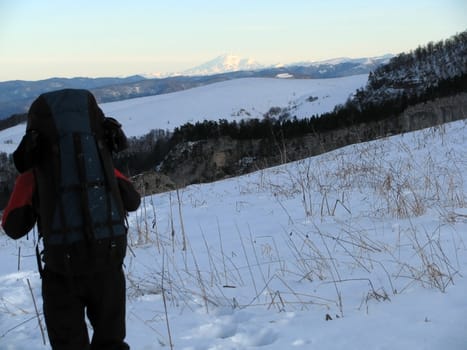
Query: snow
x,y
370,236
222,64
231,100
10,138
228,99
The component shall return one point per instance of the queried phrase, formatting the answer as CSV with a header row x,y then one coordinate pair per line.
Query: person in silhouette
x,y
68,186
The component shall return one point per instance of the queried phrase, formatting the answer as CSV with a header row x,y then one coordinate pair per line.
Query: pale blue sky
x,y
66,38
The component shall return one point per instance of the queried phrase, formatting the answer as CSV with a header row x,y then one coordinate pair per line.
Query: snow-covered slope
x,y
360,248
232,100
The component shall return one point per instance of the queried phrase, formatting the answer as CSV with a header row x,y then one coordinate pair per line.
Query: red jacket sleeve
x,y
130,197
19,215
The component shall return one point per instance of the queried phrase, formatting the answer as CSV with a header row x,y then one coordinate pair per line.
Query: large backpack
x,y
80,211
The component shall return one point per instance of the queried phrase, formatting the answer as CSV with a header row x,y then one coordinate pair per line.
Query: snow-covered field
x,y
360,248
231,100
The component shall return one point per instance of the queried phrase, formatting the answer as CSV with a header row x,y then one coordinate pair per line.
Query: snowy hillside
x,y
360,248
231,100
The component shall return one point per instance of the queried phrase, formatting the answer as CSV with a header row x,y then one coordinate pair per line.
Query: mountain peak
x,y
224,63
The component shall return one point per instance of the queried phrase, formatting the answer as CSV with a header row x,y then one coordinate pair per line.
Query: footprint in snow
x,y
223,327
262,337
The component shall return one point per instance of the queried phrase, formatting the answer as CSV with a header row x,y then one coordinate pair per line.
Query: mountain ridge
x,y
228,63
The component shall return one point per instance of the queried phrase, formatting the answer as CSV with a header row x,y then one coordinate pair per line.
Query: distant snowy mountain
x,y
228,63
223,64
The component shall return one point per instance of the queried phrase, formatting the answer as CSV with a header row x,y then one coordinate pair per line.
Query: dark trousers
x,y
101,296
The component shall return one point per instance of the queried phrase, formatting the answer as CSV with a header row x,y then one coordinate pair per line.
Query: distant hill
x,y
16,96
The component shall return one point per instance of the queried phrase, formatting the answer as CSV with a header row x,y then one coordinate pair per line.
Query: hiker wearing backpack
x,y
69,187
